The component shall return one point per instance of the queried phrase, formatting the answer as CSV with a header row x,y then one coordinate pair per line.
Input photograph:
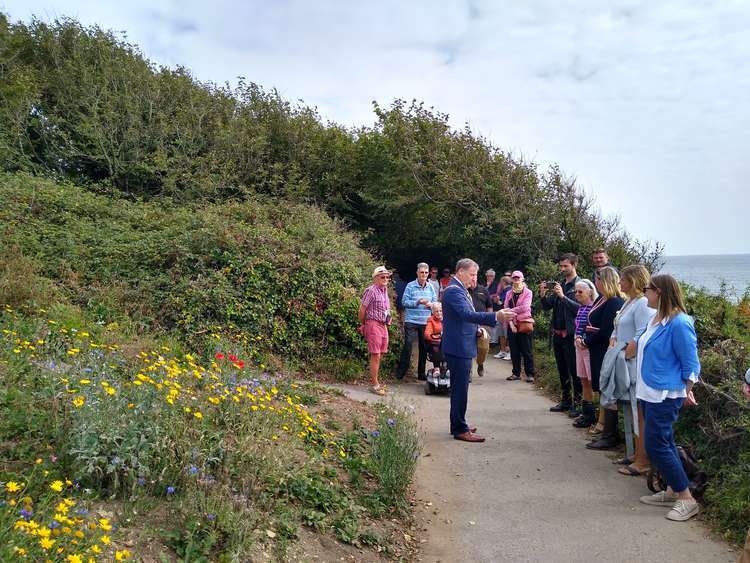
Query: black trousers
x,y
412,332
565,358
521,349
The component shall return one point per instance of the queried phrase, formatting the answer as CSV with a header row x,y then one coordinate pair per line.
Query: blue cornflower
x,y
141,481
391,422
81,511
376,433
54,524
170,490
27,514
211,516
192,470
87,370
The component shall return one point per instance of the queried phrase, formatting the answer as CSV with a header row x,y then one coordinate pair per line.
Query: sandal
x,y
631,471
596,429
623,461
513,378
378,390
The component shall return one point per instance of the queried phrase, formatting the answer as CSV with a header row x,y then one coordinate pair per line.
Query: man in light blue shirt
x,y
416,301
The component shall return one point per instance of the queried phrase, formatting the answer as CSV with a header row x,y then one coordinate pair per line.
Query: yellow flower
x,y
12,487
46,543
110,390
105,540
74,559
96,549
104,524
38,460
122,555
57,486
198,414
19,550
79,401
84,381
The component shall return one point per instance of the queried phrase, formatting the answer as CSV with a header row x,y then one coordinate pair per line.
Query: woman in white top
x,y
668,367
631,322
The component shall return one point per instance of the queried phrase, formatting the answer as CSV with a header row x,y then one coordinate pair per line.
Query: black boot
x,y
588,415
563,405
575,410
609,438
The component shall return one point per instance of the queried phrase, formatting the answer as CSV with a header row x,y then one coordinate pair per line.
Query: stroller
x,y
439,376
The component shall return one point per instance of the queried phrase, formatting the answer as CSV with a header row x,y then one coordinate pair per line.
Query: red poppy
x,y
232,358
239,364
219,356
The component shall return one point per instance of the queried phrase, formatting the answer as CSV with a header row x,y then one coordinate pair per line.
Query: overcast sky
x,y
645,103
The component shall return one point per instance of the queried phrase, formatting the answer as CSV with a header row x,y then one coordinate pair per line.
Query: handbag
x,y
525,326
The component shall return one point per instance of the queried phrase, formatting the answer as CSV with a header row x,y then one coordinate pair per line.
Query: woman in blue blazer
x,y
668,366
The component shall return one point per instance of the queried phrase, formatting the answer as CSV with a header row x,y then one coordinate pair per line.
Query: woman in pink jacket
x,y
518,300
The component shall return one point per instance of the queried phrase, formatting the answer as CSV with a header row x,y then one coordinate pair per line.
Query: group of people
x,y
622,334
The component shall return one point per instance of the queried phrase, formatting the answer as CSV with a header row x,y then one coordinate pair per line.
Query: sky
x,y
645,103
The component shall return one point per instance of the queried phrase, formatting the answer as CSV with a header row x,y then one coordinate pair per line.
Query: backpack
x,y
697,478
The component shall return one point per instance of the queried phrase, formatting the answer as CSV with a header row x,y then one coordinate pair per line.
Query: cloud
x,y
643,101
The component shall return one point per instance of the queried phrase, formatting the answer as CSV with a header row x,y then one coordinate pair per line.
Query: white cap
x,y
380,270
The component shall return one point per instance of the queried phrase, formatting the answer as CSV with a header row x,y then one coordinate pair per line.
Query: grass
x,y
235,460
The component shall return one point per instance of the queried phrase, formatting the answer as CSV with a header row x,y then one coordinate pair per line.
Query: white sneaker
x,y
507,356
499,356
659,499
683,510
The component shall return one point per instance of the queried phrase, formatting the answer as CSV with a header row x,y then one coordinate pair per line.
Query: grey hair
x,y
590,286
466,264
490,271
423,265
436,305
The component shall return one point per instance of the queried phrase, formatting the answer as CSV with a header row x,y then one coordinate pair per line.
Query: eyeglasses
x,y
649,287
580,291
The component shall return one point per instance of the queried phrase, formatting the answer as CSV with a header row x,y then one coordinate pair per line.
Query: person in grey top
x,y
630,324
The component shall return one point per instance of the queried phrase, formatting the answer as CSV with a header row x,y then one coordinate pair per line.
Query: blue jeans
x,y
460,369
659,441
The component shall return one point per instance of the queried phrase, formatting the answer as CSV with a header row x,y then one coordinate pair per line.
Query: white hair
x,y
466,264
588,284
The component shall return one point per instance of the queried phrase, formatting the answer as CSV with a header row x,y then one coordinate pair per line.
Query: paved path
x,y
533,492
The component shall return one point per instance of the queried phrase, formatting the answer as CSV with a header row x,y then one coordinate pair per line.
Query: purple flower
x,y
376,433
54,524
391,422
141,481
192,470
26,514
211,516
170,490
82,512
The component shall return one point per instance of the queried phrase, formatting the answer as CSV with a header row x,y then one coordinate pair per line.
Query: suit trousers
x,y
460,369
565,358
412,332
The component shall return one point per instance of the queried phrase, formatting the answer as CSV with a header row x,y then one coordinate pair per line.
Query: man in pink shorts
x,y
374,318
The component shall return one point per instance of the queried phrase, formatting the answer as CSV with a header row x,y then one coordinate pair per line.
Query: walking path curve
x,y
532,491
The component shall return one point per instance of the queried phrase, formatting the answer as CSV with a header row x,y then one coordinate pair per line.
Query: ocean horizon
x,y
709,271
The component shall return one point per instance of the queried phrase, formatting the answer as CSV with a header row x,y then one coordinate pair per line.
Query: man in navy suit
x,y
460,330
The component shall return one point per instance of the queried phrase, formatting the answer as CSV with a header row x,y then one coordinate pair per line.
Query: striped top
x,y
376,302
582,319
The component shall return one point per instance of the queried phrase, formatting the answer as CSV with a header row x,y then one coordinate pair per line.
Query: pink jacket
x,y
523,308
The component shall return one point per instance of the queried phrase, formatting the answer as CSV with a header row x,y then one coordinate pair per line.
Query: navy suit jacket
x,y
461,321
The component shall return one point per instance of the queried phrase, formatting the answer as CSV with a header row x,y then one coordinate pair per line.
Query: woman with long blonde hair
x,y
631,322
596,339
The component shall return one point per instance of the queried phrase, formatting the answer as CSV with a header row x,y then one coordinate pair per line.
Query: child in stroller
x,y
438,378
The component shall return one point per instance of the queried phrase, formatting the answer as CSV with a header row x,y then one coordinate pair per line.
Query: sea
x,y
709,271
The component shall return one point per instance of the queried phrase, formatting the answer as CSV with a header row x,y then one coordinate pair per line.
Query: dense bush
x,y
84,105
277,278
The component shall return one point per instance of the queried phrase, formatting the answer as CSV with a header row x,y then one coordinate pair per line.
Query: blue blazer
x,y
461,321
671,355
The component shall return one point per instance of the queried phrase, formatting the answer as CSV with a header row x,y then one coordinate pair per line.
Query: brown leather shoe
x,y
468,437
473,429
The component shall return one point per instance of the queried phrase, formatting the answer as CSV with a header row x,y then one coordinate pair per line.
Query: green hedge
x,y
273,277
